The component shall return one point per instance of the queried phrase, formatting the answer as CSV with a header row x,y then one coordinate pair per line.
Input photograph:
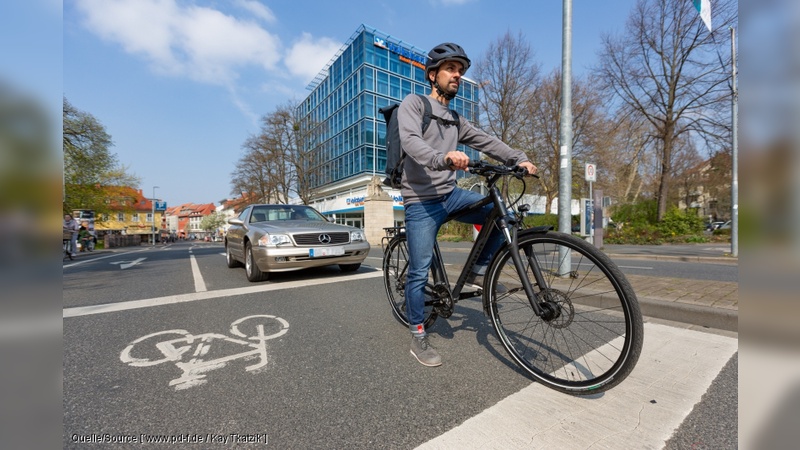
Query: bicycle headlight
x,y
357,236
273,240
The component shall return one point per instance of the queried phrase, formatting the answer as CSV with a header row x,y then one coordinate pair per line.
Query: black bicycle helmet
x,y
446,52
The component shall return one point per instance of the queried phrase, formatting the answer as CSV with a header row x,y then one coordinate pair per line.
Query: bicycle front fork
x,y
511,233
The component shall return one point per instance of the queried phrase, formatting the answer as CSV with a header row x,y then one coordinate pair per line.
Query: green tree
x,y
212,222
89,165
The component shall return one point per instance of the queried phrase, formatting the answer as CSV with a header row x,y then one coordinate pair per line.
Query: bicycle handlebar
x,y
483,168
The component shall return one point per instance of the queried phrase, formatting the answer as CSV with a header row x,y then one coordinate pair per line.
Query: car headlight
x,y
274,240
357,236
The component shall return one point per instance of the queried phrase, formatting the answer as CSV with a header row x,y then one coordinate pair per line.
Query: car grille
x,y
312,239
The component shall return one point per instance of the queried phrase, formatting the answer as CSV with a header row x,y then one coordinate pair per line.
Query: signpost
x,y
591,177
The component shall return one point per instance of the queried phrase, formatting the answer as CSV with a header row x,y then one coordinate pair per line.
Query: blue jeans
x,y
423,221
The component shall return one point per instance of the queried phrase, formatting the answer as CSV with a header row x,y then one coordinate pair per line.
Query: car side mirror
x,y
235,221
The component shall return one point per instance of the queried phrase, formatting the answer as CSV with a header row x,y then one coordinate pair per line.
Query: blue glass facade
x,y
343,130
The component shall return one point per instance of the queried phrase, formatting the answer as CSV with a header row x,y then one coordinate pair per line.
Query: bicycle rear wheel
x,y
592,336
395,268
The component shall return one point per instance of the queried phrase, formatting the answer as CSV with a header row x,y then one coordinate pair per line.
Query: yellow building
x,y
131,213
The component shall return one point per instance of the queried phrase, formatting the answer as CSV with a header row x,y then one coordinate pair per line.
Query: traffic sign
x,y
591,172
160,206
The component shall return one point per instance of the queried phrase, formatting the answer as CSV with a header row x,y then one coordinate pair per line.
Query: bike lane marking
x,y
675,369
195,296
115,255
128,264
199,363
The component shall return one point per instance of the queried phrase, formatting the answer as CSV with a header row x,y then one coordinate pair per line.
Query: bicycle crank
x,y
444,301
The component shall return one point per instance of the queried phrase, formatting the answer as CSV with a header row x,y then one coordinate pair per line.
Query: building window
x,y
121,217
135,217
149,217
105,217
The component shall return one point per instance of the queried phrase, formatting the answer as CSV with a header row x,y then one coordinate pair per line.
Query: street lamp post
x,y
565,137
153,215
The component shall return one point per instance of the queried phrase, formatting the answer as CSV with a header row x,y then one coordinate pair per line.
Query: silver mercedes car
x,y
281,238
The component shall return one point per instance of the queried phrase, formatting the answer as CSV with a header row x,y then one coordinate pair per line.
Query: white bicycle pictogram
x,y
173,345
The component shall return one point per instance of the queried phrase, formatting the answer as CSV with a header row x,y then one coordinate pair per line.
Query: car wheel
x,y
349,267
232,262
250,268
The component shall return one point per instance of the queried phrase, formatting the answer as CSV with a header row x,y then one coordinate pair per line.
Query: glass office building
x,y
344,134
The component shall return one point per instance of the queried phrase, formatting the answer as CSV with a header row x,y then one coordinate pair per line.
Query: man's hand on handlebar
x,y
457,160
529,167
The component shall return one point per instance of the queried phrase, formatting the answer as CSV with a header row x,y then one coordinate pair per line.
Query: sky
x,y
181,84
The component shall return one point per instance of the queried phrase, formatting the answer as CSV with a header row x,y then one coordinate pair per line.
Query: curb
x,y
698,259
704,316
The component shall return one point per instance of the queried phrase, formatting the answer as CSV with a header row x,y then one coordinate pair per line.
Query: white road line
x,y
675,369
199,284
635,267
194,296
102,257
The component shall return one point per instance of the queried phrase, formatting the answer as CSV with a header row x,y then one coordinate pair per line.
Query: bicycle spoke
x,y
589,336
395,268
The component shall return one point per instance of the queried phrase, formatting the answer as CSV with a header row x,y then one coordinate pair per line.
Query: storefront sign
x,y
355,201
405,54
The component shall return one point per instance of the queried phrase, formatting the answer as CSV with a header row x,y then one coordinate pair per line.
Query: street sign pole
x,y
565,138
153,216
591,176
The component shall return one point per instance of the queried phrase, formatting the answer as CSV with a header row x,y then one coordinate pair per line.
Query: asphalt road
x,y
168,343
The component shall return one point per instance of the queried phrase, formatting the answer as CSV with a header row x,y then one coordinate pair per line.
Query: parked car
x,y
725,226
280,238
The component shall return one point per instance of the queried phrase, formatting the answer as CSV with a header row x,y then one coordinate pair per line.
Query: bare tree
x,y
622,158
253,176
274,167
507,75
687,170
588,125
669,69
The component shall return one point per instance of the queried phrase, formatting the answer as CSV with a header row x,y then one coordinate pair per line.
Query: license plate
x,y
325,251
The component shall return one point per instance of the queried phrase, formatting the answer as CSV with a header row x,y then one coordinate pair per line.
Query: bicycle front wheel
x,y
395,269
590,336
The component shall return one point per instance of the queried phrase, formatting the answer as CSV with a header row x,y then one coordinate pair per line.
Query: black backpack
x,y
395,156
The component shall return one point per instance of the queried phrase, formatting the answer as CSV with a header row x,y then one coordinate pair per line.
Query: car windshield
x,y
285,212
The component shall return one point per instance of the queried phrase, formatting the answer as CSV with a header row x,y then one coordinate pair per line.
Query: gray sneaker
x,y
476,281
424,352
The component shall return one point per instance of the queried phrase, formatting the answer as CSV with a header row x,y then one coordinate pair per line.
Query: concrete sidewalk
x,y
713,304
703,303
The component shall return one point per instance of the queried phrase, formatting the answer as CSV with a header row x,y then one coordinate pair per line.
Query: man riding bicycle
x,y
429,186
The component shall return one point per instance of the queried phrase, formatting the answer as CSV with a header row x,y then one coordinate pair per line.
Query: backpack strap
x,y
427,115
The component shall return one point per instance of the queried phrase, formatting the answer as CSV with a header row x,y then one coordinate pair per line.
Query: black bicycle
x,y
562,309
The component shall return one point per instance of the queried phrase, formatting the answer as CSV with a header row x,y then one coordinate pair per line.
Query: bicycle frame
x,y
499,216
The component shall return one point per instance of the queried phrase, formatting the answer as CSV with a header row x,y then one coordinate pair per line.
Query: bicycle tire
x,y
395,267
594,343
